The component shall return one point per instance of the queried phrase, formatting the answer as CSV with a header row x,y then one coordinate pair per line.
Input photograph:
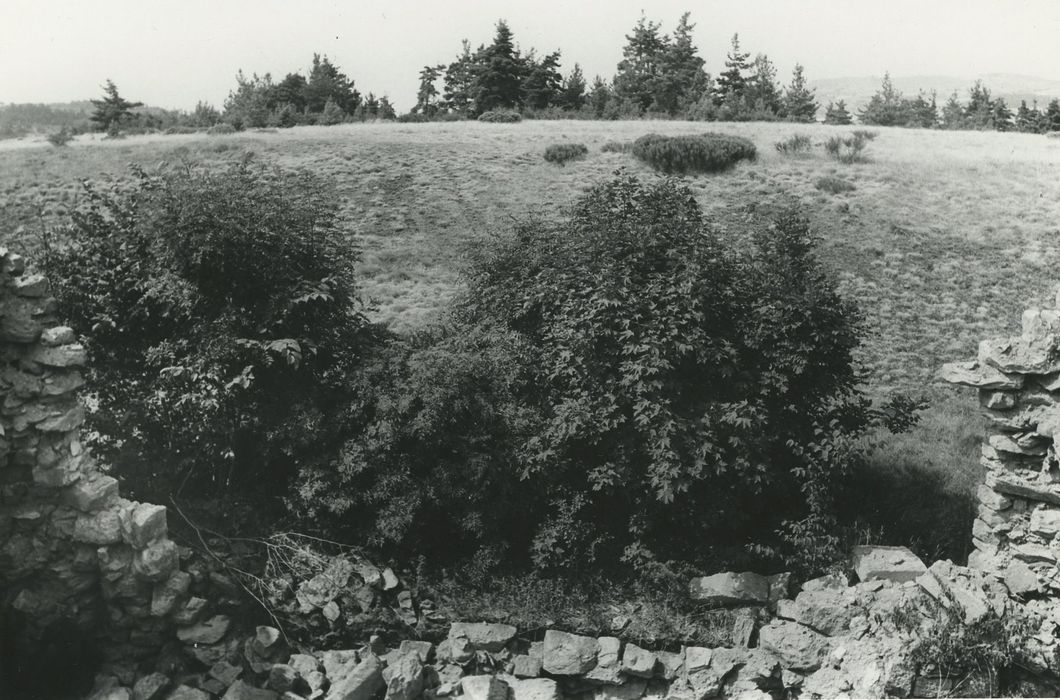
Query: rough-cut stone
x,y
827,611
1020,579
102,527
151,687
484,688
361,682
524,666
206,632
535,689
143,523
731,588
1045,521
167,594
404,680
281,678
424,650
59,335
671,664
896,564
483,636
608,661
978,375
1037,355
797,647
242,691
638,662
157,561
568,654
186,692
92,494
72,355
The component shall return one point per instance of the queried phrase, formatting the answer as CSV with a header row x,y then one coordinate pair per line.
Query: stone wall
x,y
72,550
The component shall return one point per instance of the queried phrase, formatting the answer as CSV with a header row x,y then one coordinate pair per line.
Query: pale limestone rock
x,y
731,588
568,654
797,647
976,374
638,662
357,682
404,680
483,636
896,564
484,688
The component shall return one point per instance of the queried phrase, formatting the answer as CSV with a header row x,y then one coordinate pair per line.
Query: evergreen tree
x,y
500,75
762,88
331,114
292,90
979,112
952,113
733,80
386,110
600,97
326,82
1026,121
638,71
681,80
572,94
921,112
837,113
542,83
425,103
460,77
113,109
249,105
1052,116
1002,115
800,104
886,107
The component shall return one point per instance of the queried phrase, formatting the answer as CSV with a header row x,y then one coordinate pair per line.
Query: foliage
x,y
732,81
795,144
61,137
799,104
837,113
221,319
499,77
709,152
221,129
561,153
113,110
848,149
500,116
617,147
834,185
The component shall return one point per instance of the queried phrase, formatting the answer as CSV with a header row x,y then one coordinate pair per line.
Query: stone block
x,y
568,654
157,561
242,691
730,588
167,594
797,647
362,682
979,375
638,662
93,493
101,527
1045,521
32,286
484,688
64,421
524,666
896,564
536,689
405,679
483,636
58,335
143,523
151,687
207,632
70,355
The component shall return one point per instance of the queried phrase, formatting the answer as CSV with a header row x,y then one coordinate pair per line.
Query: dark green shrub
x,y
794,145
849,149
221,129
221,318
864,134
689,154
181,130
617,147
834,185
500,116
561,153
61,137
626,384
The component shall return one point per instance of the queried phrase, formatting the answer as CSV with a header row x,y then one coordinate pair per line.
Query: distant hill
x,y
858,90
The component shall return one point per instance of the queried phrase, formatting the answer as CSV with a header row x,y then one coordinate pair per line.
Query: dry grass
x,y
948,236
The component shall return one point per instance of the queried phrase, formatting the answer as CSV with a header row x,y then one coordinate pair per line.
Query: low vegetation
x,y
702,153
848,149
834,185
616,147
562,153
500,116
796,144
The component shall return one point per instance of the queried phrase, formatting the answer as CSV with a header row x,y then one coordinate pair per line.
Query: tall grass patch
x,y
796,144
704,153
562,153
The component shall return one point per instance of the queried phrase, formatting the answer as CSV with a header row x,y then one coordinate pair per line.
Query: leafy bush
x,y
617,147
500,116
174,130
626,384
834,185
794,145
865,134
61,137
221,319
849,149
221,129
700,153
560,153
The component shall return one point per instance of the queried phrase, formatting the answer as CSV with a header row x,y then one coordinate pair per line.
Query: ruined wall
x,y
70,547
1016,532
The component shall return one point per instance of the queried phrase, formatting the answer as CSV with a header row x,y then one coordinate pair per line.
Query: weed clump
x,y
796,144
500,116
706,153
221,130
834,185
849,149
61,137
561,153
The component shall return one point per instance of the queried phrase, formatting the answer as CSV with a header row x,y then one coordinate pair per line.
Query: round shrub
x,y
221,318
500,116
221,129
561,153
705,153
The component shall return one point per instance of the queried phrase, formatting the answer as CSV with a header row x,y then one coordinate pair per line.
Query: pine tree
x,y
886,107
732,81
762,87
386,110
500,75
838,114
952,113
425,104
1025,121
291,90
326,82
800,104
638,71
460,78
1052,116
1001,115
113,109
572,95
921,112
681,80
979,112
600,96
331,114
542,83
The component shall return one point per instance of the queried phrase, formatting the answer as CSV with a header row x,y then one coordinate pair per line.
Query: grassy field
x,y
946,238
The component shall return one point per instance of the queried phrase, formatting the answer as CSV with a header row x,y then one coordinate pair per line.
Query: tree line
x,y
982,112
659,75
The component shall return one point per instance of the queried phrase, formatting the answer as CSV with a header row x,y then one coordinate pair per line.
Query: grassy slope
x,y
948,236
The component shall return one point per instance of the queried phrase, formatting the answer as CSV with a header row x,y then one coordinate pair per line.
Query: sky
x,y
173,54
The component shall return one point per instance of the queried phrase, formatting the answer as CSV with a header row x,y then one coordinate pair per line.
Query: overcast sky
x,y
174,53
